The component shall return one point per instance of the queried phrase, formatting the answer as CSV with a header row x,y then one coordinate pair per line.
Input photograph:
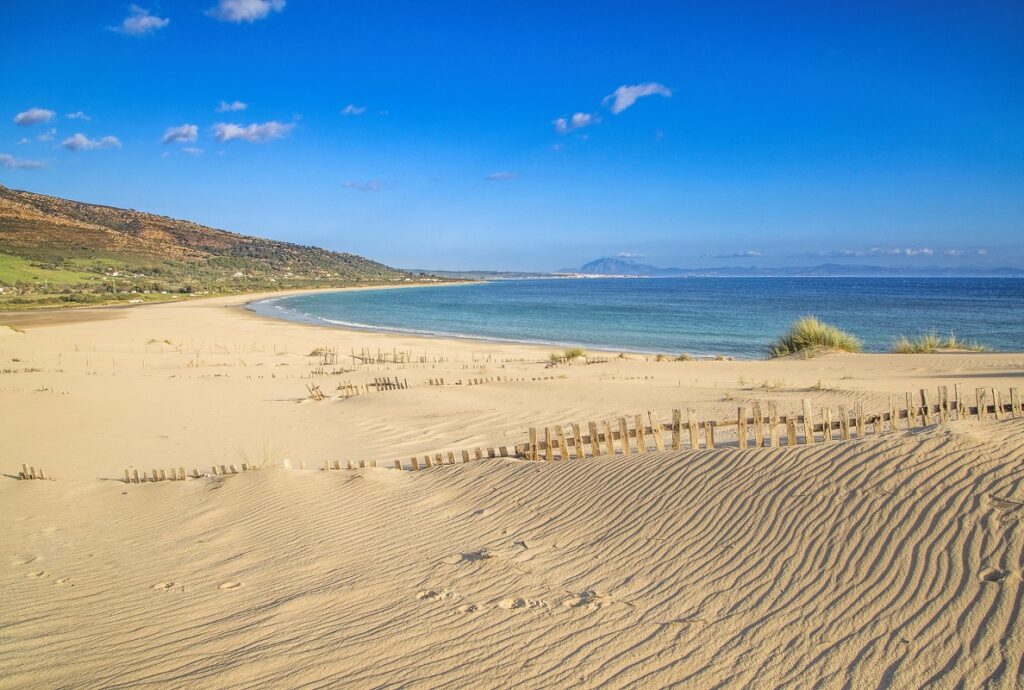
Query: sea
x,y
701,317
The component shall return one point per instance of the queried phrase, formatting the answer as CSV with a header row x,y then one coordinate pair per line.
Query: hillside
x,y
51,245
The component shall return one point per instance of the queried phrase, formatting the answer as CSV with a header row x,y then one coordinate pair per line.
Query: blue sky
x,y
770,133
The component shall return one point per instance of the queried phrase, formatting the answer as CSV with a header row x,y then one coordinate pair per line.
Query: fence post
x,y
398,464
961,405
465,456
549,451
912,411
773,425
1015,410
741,427
844,423
677,417
659,440
709,434
691,422
641,441
926,404
577,440
790,431
826,423
858,411
595,446
479,452
414,464
609,438
563,448
532,453
758,426
808,422
624,436
997,402
979,394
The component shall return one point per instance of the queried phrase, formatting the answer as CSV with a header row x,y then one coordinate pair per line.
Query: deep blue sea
x,y
698,316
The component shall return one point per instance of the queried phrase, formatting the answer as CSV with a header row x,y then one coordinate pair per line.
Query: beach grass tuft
x,y
808,335
931,342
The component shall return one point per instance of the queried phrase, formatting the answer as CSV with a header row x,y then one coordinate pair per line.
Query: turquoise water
x,y
699,316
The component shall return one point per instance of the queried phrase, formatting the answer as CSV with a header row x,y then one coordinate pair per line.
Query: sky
x,y
536,135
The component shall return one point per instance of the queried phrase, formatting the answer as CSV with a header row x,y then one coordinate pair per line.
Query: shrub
x,y
808,334
931,342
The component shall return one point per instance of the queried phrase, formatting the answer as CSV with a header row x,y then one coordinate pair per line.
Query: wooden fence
x,y
762,424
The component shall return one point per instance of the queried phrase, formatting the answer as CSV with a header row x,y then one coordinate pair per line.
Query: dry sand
x,y
891,561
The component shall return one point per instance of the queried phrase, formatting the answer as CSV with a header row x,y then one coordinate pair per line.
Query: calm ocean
x,y
699,316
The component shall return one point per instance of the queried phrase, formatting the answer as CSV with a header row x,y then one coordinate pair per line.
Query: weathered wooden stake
x,y
926,409
997,403
479,453
790,431
758,426
127,476
595,445
911,411
398,464
980,396
624,436
773,425
563,447
943,404
532,453
659,440
609,438
844,423
858,411
808,422
1015,410
961,401
577,440
709,434
677,424
691,423
641,440
549,446
826,423
741,427
465,456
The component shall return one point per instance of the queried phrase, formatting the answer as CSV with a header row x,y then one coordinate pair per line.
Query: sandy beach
x,y
885,561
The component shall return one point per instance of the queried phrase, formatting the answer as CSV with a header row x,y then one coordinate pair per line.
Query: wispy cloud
x,y
500,176
353,109
11,163
184,134
192,151
629,255
33,116
78,115
873,252
140,22
625,96
564,125
80,142
749,254
48,135
256,133
225,107
368,186
239,11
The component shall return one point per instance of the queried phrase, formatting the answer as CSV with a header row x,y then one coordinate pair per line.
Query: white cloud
x,y
564,125
368,186
140,22
874,251
352,109
193,151
33,116
625,96
982,252
80,142
48,135
184,134
11,163
244,10
954,252
24,140
223,131
749,254
500,176
225,107
629,255
78,115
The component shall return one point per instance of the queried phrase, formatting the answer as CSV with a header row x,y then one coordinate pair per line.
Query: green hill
x,y
56,251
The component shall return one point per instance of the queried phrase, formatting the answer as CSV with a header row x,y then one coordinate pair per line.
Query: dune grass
x,y
567,354
931,342
808,334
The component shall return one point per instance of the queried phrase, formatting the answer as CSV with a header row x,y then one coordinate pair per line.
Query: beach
x,y
889,560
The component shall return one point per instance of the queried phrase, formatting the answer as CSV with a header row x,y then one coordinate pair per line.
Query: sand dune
x,y
893,561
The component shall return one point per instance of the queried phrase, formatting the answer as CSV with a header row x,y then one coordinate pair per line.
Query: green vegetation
x,y
566,355
65,253
808,335
931,342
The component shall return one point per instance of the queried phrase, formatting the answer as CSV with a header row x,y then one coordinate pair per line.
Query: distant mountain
x,y
77,245
613,266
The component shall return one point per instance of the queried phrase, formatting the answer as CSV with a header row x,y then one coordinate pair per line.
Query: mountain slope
x,y
53,233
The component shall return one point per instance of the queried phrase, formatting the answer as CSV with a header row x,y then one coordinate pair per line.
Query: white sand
x,y
893,561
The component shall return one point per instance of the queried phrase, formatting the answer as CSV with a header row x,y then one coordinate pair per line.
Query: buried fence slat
x,y
624,436
911,411
773,425
980,396
641,441
549,450
563,448
532,453
858,411
691,423
943,404
609,439
741,427
1015,410
127,476
503,451
659,440
844,423
997,402
790,431
808,422
709,434
479,452
826,423
426,461
465,456
577,439
414,464
398,464
894,414
926,409
595,446
758,426
677,417
961,403
451,457
438,460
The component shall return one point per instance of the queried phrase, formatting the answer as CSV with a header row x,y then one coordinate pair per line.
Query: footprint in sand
x,y
37,573
994,575
230,585
434,594
469,608
589,598
62,581
521,603
163,585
